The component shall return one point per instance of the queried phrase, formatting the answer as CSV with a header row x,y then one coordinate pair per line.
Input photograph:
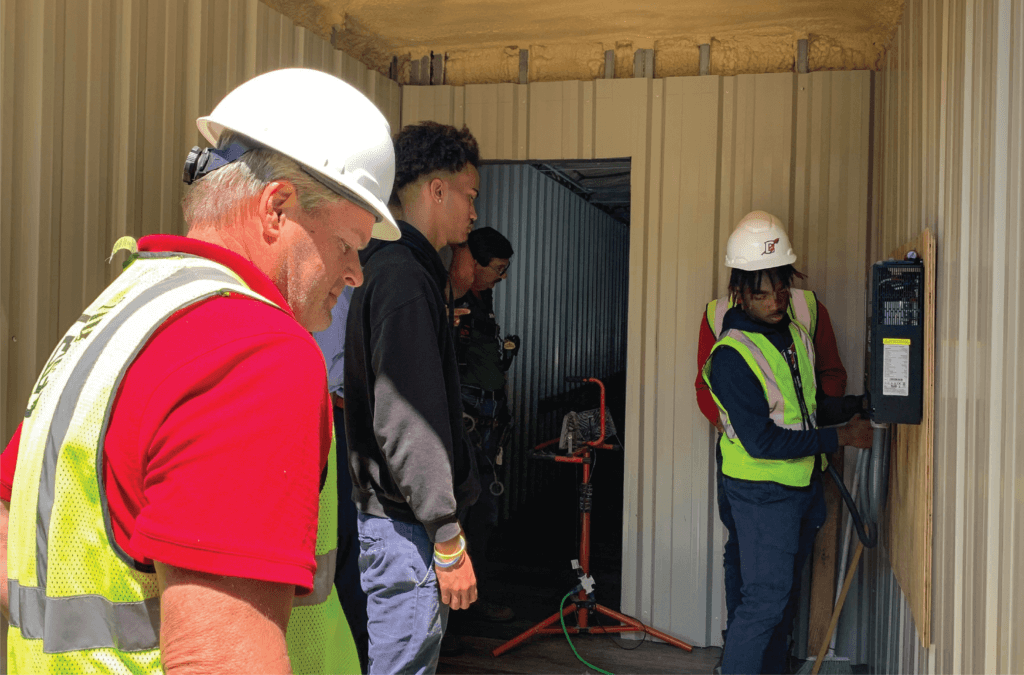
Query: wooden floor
x,y
552,654
534,594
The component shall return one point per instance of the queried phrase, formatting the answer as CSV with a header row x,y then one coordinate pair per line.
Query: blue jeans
x,y
406,617
346,575
731,556
776,526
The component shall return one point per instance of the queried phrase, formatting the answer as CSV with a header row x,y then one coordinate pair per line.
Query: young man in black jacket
x,y
403,410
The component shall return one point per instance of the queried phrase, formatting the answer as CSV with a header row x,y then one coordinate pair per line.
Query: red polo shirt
x,y
218,436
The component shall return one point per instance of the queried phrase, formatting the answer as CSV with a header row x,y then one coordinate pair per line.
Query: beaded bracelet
x,y
450,563
450,559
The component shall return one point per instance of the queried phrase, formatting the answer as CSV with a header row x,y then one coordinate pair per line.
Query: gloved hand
x,y
852,405
836,410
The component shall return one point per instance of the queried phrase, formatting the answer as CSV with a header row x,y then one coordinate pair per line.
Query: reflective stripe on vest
x,y
773,372
803,308
77,599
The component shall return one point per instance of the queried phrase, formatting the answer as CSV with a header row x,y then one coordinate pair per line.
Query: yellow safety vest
x,y
78,602
780,390
803,308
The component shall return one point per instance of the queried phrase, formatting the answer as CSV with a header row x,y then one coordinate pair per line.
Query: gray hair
x,y
213,198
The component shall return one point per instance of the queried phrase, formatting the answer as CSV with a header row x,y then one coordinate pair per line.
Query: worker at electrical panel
x,y
484,359
804,308
403,408
761,375
176,459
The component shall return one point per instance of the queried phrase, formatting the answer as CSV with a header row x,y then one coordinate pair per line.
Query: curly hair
x,y
428,147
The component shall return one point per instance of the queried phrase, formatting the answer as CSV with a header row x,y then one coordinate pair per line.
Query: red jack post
x,y
581,605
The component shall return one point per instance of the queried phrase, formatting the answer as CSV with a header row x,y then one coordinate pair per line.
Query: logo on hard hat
x,y
769,246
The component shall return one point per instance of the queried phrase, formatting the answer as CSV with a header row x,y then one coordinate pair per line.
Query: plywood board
x,y
909,507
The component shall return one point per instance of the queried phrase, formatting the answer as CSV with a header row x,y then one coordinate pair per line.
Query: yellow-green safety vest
x,y
772,370
803,308
78,602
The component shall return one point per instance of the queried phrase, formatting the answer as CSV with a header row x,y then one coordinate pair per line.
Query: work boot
x,y
452,645
717,670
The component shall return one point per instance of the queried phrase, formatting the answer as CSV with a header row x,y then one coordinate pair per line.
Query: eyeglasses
x,y
500,270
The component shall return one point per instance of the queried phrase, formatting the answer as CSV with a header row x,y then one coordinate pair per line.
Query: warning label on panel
x,y
896,367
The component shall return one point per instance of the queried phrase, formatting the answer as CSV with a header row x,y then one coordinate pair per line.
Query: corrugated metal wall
x,y
98,101
565,296
950,132
705,150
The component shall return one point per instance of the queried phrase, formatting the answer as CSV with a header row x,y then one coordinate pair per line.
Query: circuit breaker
x,y
896,371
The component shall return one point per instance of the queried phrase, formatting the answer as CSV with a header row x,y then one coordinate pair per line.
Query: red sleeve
x,y
827,364
8,463
704,344
235,442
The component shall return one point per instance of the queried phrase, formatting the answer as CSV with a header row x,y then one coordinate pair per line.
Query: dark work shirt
x,y
480,358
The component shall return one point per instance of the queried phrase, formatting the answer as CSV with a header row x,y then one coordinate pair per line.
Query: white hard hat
x,y
326,125
759,243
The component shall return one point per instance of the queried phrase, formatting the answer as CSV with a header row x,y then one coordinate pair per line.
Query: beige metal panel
x,y
99,99
549,102
948,156
484,116
1012,437
32,68
829,206
757,152
568,109
700,160
623,111
684,454
439,102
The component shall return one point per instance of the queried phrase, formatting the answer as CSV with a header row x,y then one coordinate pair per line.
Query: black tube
x,y
876,490
867,535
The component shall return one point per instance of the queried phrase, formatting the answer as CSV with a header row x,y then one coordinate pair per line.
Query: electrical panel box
x,y
896,355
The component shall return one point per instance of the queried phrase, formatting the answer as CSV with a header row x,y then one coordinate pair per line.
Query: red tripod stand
x,y
582,605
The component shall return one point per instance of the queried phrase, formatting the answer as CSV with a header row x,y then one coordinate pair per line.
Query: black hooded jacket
x,y
403,407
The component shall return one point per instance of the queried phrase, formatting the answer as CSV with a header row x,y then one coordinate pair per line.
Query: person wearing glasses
x,y
484,358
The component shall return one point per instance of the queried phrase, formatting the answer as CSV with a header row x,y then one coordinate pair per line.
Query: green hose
x,y
561,616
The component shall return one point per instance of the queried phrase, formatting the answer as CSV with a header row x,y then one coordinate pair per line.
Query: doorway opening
x,y
565,296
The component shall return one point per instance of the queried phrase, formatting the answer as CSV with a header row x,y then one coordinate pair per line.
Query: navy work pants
x,y
775,527
731,556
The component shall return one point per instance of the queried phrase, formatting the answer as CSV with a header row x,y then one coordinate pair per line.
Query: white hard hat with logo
x,y
326,125
759,243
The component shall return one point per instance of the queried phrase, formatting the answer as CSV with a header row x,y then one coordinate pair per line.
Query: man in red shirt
x,y
217,440
804,308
